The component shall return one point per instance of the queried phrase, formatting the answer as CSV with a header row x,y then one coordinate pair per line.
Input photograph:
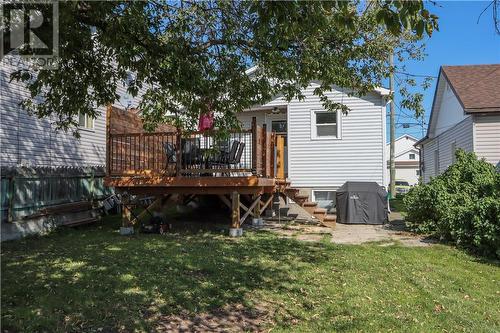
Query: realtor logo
x,y
30,32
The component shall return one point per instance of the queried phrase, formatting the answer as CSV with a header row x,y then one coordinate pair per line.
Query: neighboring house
x,y
42,167
31,141
465,114
406,158
326,149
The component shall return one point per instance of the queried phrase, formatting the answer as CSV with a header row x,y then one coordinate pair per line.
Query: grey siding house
x,y
30,141
465,114
42,167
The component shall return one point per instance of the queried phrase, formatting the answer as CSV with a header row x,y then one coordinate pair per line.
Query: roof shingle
x,y
476,86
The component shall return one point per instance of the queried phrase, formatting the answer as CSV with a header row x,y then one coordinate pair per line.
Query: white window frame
x,y
414,156
314,135
313,194
86,123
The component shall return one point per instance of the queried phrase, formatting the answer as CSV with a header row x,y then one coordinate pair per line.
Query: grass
x,y
92,279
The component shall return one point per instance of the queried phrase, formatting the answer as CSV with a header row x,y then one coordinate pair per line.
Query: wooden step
x,y
320,213
300,199
292,192
330,221
330,218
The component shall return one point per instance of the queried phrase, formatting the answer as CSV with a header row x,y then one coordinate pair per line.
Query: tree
x,y
190,57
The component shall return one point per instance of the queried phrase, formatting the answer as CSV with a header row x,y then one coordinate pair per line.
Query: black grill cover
x,y
361,203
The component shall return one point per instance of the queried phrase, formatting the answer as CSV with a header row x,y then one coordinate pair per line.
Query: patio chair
x,y
224,156
170,152
191,152
237,158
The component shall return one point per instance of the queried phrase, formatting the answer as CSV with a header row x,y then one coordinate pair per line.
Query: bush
x,y
461,205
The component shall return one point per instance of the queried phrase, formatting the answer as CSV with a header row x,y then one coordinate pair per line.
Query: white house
x,y
406,158
326,149
465,114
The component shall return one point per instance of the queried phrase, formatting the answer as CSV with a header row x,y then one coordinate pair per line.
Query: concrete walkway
x,y
393,232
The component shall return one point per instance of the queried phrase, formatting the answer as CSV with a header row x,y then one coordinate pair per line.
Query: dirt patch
x,y
231,318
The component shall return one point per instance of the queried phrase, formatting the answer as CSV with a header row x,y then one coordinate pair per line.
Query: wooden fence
x,y
24,191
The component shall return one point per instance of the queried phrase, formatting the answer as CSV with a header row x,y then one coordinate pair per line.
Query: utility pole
x,y
392,163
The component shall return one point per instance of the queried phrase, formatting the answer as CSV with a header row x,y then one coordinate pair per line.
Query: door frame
x,y
269,118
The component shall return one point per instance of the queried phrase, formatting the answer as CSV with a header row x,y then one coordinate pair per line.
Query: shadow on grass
x,y
93,279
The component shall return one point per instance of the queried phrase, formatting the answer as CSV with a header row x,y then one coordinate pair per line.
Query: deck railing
x,y
193,154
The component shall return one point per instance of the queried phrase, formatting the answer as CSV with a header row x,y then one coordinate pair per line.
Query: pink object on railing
x,y
206,121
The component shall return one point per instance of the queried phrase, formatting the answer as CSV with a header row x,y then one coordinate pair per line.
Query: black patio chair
x,y
237,158
191,152
170,152
223,157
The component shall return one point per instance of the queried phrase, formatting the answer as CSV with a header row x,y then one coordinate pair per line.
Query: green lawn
x,y
92,279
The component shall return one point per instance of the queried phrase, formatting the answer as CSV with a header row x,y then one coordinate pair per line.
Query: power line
x,y
416,75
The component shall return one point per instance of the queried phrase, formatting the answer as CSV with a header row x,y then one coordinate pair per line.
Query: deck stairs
x,y
284,187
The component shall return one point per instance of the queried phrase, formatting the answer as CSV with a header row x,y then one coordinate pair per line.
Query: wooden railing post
x,y
273,154
108,141
178,152
264,151
254,145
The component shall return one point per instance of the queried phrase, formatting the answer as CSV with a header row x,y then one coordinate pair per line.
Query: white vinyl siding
x,y
461,134
487,138
329,163
358,156
28,140
450,111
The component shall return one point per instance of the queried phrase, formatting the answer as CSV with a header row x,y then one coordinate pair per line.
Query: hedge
x,y
462,205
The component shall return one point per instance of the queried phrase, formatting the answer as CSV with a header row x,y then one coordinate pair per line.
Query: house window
x,y
324,124
325,199
453,149
436,162
278,126
85,121
412,156
418,172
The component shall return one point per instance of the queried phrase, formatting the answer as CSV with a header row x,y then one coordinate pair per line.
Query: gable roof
x,y
477,87
413,149
384,92
407,136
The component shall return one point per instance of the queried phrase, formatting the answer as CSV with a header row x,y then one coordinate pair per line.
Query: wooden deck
x,y
160,184
156,164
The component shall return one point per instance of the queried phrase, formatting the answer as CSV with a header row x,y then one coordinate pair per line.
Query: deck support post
x,y
235,229
257,220
127,227
275,204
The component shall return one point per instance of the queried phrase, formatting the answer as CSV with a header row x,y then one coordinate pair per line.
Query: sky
x,y
461,40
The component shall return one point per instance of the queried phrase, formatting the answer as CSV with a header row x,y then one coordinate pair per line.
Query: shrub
x,y
461,205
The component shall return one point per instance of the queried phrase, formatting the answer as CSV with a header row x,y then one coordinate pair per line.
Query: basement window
x,y
325,199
